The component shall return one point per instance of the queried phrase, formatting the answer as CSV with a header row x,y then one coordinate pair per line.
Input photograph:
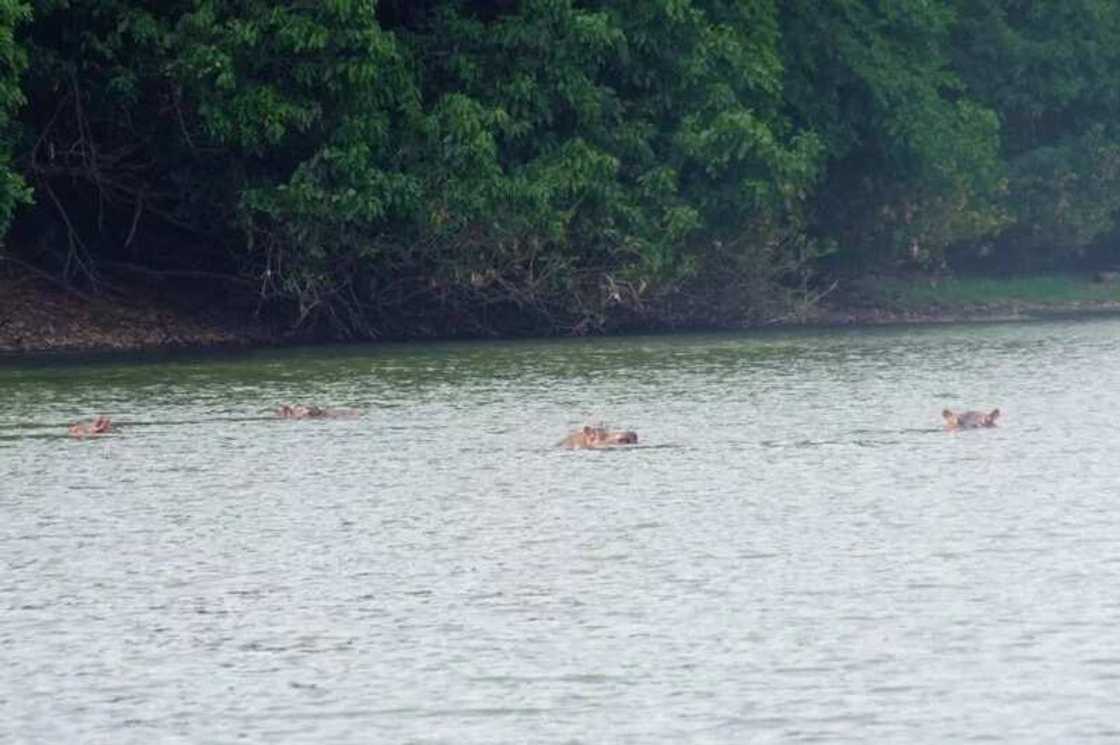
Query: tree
x,y
912,159
619,153
1049,71
13,61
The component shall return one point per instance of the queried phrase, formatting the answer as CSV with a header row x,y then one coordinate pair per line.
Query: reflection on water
x,y
796,551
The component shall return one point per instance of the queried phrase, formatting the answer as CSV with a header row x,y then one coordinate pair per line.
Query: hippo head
x,y
98,426
600,437
299,411
622,438
970,419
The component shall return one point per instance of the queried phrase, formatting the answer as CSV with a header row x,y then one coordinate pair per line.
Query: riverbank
x,y
880,300
37,316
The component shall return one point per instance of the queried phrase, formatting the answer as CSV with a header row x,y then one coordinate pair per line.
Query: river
x,y
796,551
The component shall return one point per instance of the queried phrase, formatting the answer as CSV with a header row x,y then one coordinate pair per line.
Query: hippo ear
x,y
994,415
587,429
947,413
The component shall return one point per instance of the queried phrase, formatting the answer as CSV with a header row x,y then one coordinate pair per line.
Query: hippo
x,y
302,411
98,426
598,437
970,419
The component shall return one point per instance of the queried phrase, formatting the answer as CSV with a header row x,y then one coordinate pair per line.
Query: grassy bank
x,y
874,299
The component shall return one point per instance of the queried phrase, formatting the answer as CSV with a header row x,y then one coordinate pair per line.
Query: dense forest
x,y
409,167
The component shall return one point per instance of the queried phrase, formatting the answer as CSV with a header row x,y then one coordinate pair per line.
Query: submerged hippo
x,y
598,437
97,426
970,419
302,411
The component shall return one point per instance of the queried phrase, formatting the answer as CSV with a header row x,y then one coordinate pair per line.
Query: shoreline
x,y
966,314
39,319
42,321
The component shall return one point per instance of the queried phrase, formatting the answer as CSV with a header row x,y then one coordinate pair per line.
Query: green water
x,y
795,551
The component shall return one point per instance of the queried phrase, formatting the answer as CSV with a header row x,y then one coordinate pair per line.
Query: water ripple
x,y
796,552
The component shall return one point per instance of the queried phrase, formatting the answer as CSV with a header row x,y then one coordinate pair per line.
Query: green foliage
x,y
312,107
413,166
1066,196
1049,70
619,143
102,143
913,164
13,60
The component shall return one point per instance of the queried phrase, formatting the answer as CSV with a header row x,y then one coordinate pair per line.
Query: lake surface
x,y
796,551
